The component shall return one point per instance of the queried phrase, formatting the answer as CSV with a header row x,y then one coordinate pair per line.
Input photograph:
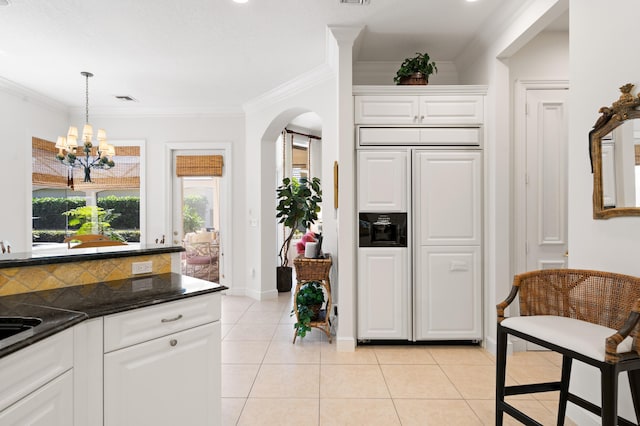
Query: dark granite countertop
x,y
66,255
62,308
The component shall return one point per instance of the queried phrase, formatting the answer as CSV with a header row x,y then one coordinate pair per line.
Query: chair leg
x,y
564,388
609,395
501,373
634,383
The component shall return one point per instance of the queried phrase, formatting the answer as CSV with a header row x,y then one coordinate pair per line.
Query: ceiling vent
x,y
126,98
360,2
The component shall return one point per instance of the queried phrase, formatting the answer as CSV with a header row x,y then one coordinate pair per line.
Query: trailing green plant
x,y
310,295
92,219
421,63
298,207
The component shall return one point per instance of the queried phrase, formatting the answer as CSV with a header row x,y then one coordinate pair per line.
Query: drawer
x,y
140,325
26,370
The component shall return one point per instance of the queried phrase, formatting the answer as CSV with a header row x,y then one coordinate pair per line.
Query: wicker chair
x,y
590,316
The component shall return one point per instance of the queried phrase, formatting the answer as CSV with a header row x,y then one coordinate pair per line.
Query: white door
x,y
382,181
546,179
200,203
448,293
383,293
447,197
171,380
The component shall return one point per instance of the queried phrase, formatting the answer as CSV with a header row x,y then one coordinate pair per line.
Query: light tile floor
x,y
267,380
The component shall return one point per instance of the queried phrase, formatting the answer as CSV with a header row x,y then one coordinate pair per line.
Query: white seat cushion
x,y
576,335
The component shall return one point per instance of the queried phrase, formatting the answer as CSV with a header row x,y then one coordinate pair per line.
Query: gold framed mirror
x,y
614,147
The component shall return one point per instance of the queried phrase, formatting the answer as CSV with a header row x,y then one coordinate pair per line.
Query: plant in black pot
x,y
416,70
309,302
298,207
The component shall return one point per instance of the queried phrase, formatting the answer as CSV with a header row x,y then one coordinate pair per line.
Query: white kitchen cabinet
x,y
448,293
416,136
382,181
419,109
447,197
162,365
26,371
49,405
170,380
383,293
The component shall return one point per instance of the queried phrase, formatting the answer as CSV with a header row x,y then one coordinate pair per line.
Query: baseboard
x,y
345,344
491,346
261,295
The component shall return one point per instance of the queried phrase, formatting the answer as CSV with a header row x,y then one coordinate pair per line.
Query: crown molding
x,y
303,82
32,96
161,112
430,89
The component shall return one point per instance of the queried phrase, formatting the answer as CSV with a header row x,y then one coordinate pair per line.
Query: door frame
x,y
519,260
226,219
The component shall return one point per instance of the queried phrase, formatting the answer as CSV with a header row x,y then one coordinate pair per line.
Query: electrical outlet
x,y
142,267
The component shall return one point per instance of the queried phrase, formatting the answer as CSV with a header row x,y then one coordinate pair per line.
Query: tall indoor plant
x,y
298,207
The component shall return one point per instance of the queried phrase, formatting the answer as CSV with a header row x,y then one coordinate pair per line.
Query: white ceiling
x,y
212,54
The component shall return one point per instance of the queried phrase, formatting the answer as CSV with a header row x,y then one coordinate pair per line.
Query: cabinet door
x,y
383,291
386,110
50,405
448,301
382,181
447,197
451,110
172,380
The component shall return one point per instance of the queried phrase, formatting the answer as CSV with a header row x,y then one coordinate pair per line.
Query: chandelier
x,y
73,156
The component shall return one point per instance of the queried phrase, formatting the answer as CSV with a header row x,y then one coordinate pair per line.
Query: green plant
x,y
421,63
89,218
309,300
191,220
298,207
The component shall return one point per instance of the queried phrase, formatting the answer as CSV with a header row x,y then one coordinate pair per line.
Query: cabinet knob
x,y
415,118
421,117
173,342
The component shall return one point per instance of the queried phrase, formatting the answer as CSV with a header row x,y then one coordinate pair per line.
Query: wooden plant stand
x,y
314,270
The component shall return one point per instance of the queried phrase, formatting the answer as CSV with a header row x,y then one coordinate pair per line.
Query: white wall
x,y
157,131
265,118
598,66
545,57
487,62
22,117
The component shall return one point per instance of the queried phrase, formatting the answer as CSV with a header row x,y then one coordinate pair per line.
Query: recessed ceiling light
x,y
240,1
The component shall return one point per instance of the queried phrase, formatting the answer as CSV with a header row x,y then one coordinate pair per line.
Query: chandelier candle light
x,y
68,147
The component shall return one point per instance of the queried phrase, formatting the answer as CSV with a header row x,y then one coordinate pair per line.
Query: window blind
x,y
199,165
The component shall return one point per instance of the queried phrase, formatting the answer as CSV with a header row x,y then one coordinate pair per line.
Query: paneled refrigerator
x,y
430,287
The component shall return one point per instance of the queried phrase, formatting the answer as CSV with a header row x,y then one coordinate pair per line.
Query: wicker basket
x,y
308,269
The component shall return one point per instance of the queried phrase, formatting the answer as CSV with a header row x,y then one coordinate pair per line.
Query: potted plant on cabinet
x,y
416,70
308,305
298,207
